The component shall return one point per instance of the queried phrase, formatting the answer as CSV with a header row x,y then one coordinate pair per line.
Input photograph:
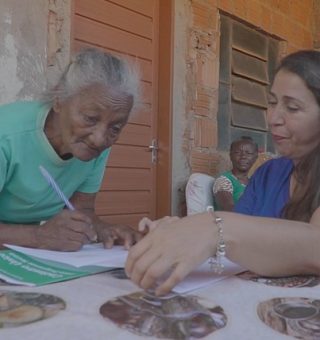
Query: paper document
x,y
96,255
204,276
88,255
26,270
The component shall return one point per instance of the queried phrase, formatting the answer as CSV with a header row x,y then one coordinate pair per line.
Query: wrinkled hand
x,y
146,225
171,251
67,231
110,235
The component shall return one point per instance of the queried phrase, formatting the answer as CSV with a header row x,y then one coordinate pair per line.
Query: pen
x,y
59,192
55,187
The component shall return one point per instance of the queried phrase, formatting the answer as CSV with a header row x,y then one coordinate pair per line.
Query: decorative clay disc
x,y
286,281
171,317
297,317
19,308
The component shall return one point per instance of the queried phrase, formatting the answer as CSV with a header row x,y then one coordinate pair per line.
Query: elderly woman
x,y
287,190
70,134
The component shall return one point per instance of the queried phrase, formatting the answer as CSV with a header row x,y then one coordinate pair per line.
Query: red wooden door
x,y
128,28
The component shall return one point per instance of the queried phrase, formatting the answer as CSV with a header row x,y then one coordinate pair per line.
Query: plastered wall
x,y
22,48
34,46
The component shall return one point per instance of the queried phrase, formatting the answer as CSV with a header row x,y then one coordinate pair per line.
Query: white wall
x,y
22,48
180,166
24,42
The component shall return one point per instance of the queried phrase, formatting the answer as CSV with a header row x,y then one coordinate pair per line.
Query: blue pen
x,y
59,192
55,187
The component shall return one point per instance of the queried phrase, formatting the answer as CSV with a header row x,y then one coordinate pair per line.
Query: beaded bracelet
x,y
216,261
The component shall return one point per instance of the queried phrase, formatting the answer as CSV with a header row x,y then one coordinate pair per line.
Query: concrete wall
x,y
181,123
34,46
196,60
23,48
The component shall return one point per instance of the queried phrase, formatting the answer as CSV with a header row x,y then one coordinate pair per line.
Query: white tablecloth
x,y
81,318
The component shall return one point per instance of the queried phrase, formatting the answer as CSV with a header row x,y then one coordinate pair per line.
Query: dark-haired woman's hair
x,y
305,198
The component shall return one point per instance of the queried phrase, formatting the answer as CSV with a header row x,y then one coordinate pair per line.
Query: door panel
x,y
144,66
128,28
130,219
142,116
92,31
116,202
145,7
126,179
116,16
129,156
135,134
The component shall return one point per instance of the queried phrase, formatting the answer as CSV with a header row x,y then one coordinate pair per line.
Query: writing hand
x,y
67,231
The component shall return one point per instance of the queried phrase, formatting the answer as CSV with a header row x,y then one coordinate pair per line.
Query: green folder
x,y
27,270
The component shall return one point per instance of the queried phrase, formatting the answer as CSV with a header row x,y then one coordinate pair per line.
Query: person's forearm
x,y
272,247
21,235
224,200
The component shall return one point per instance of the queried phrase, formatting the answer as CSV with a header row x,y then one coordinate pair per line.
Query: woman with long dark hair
x,y
282,235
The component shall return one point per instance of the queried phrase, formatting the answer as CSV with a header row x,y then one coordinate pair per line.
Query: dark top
x,y
268,189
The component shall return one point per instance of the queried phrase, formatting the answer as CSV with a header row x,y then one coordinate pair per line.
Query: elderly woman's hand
x,y
67,231
146,224
110,235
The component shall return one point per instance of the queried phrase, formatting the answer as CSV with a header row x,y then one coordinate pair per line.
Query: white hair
x,y
92,66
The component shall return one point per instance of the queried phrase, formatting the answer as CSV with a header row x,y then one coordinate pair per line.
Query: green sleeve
x,y
93,181
3,168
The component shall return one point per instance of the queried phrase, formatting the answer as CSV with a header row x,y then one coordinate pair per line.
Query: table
x,y
81,318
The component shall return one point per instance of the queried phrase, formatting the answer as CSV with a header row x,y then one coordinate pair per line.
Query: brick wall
x,y
295,22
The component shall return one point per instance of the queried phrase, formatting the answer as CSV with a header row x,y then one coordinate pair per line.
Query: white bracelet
x,y
216,261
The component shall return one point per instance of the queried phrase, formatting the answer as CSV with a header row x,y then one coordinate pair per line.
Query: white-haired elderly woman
x,y
69,133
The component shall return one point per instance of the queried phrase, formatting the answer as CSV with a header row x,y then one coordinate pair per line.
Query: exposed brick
x,y
204,42
240,8
203,98
274,4
265,18
278,25
316,24
284,5
204,162
205,132
299,38
294,32
289,20
204,16
254,13
208,3
206,102
53,41
291,48
226,5
207,71
283,49
299,12
307,39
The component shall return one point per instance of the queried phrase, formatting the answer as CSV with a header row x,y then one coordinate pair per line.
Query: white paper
x,y
95,254
90,254
204,276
